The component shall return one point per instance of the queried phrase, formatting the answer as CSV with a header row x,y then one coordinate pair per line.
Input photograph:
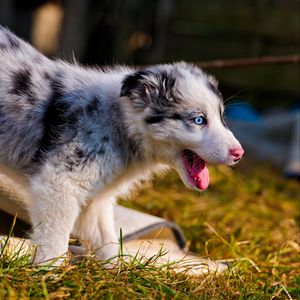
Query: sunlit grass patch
x,y
249,216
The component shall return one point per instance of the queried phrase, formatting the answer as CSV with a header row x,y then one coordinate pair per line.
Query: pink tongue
x,y
203,177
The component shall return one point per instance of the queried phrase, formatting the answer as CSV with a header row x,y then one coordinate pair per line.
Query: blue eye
x,y
200,120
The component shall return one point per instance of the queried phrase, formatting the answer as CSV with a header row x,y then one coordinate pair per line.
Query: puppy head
x,y
178,111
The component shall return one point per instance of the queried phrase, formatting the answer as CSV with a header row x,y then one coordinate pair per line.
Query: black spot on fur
x,y
92,107
79,153
105,139
53,122
21,82
156,116
22,85
56,119
101,151
47,75
154,119
159,116
57,86
69,163
176,116
74,161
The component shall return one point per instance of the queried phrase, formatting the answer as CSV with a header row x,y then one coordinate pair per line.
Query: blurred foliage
x,y
147,32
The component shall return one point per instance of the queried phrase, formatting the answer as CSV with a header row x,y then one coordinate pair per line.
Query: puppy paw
x,y
109,254
46,259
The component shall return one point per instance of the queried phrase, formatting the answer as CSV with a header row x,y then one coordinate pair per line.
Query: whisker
x,y
234,95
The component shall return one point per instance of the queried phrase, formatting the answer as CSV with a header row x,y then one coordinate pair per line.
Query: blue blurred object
x,y
242,112
296,105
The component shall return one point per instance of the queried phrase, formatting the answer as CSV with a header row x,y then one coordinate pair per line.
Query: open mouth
x,y
196,169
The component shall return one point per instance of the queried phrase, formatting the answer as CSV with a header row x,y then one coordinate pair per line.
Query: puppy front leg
x,y
110,244
54,210
96,226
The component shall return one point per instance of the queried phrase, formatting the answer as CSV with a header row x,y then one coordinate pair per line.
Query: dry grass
x,y
250,214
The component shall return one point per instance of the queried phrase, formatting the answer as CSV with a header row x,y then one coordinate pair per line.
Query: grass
x,y
249,213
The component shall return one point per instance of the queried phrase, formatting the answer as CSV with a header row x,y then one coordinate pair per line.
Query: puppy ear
x,y
136,87
130,83
149,86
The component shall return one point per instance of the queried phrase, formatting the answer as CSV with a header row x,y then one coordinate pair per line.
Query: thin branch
x,y
249,61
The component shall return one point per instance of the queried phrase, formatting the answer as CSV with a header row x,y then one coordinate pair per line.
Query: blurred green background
x,y
145,32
